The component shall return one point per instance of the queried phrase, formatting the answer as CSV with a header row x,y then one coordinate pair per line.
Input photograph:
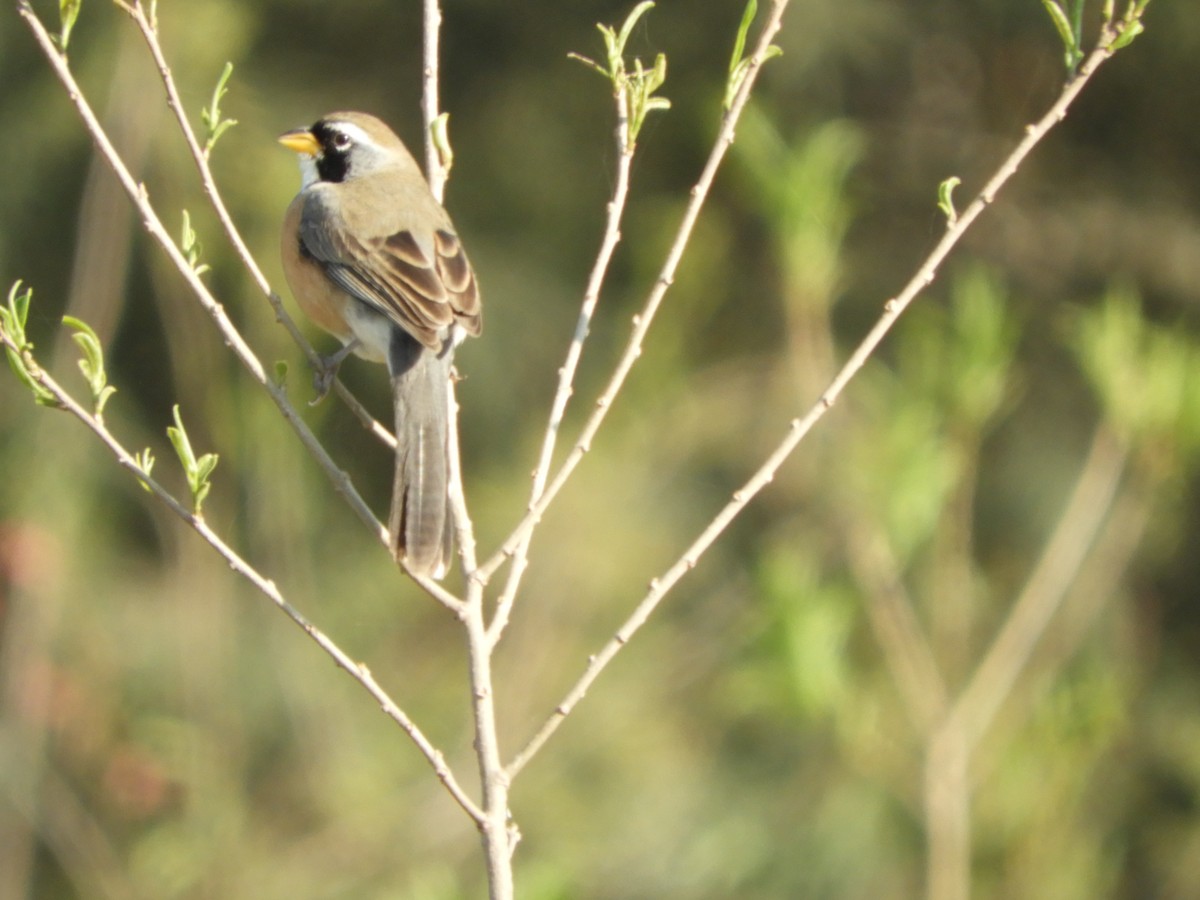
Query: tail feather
x,y
419,520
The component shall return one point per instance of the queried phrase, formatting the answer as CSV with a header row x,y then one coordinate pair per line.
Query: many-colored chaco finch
x,y
373,259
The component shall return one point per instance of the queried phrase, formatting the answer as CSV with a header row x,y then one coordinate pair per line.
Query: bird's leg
x,y
326,370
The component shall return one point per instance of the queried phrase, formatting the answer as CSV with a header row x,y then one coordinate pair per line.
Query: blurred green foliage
x,y
165,733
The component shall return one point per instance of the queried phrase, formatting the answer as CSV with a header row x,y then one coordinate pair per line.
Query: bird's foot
x,y
326,369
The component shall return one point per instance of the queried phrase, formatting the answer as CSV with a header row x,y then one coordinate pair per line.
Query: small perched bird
x,y
373,259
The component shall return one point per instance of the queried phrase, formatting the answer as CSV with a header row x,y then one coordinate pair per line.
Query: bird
x,y
373,259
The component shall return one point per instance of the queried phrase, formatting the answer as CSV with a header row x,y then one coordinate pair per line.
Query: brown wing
x,y
396,276
455,272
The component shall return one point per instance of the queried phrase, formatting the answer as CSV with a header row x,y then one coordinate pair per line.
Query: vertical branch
x,y
140,198
643,320
150,35
798,428
436,174
566,375
498,839
149,31
244,570
435,170
464,531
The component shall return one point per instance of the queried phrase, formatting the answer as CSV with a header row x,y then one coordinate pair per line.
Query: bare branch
x,y
435,171
149,32
643,320
799,427
140,197
493,821
566,374
264,585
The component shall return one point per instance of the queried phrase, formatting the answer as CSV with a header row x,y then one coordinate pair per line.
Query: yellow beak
x,y
301,141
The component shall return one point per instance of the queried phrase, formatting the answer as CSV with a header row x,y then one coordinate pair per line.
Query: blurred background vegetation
x,y
165,733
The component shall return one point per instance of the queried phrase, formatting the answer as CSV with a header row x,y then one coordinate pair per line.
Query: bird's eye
x,y
341,141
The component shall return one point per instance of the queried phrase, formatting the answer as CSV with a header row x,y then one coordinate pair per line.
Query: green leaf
x,y
614,46
211,115
145,464
16,312
92,363
205,466
1061,24
190,245
440,129
200,483
738,65
1068,31
638,11
946,198
18,349
179,439
41,395
739,42
68,12
1127,33
197,471
637,86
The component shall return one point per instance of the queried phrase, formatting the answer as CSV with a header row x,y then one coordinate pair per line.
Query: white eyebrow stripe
x,y
356,134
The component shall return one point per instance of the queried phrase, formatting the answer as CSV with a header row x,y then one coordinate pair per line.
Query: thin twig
x,y
264,585
464,529
643,320
494,825
799,427
498,839
566,374
436,174
138,194
435,170
149,34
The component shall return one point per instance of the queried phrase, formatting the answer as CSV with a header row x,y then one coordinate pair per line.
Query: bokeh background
x,y
164,732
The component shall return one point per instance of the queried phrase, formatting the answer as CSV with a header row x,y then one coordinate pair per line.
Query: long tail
x,y
419,521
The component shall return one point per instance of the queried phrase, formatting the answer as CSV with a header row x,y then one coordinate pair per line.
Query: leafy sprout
x,y
197,470
946,198
190,245
92,363
440,129
18,348
68,12
739,64
145,465
214,122
636,86
1068,22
